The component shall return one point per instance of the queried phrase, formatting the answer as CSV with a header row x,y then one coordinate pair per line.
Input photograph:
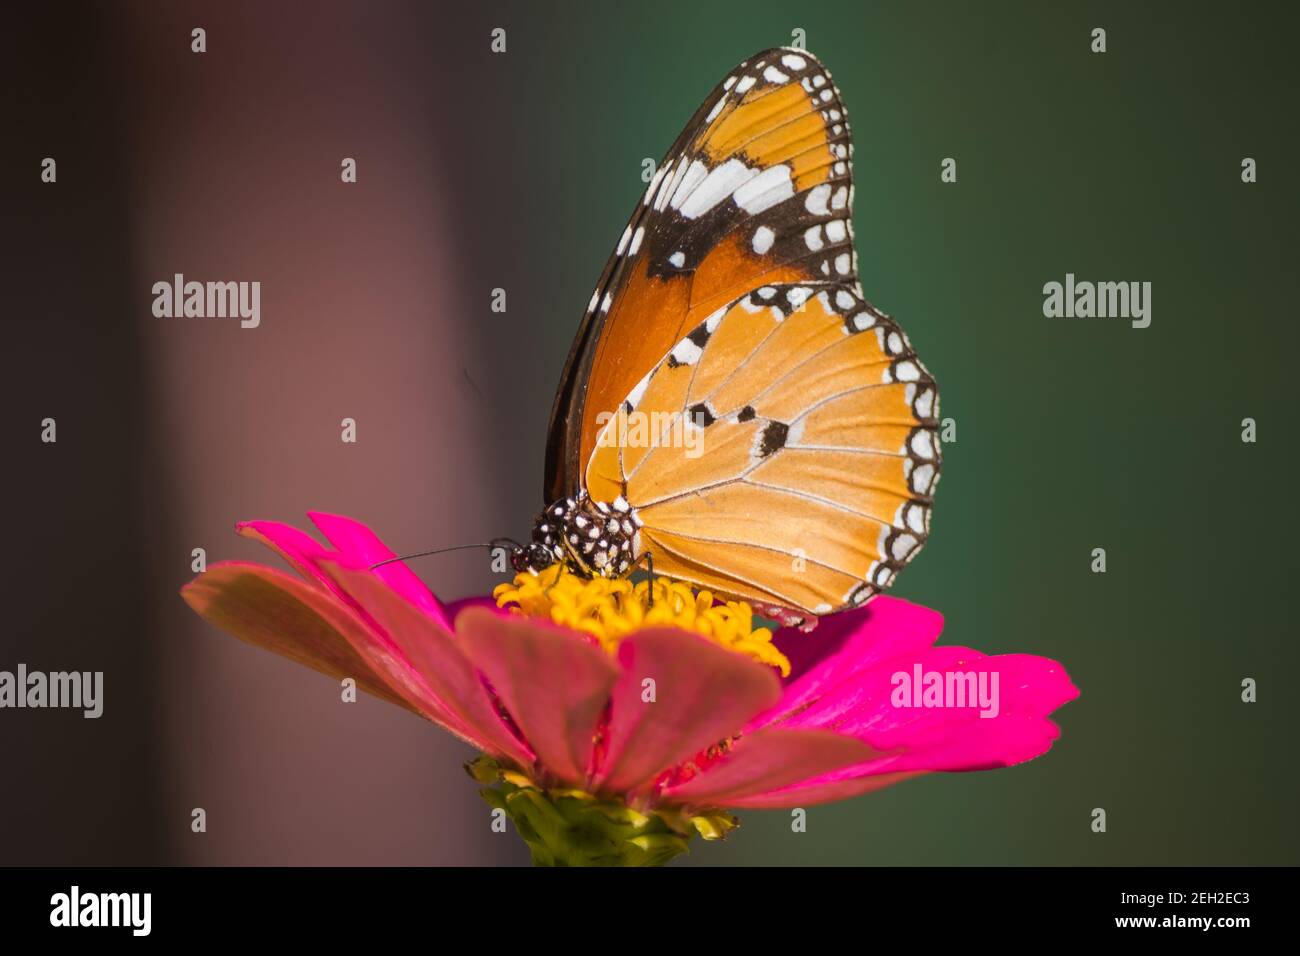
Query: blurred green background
x,y
1072,434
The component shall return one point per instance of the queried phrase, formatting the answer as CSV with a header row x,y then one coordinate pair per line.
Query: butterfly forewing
x,y
756,190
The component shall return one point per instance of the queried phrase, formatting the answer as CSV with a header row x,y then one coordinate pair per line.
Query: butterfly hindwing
x,y
791,452
756,190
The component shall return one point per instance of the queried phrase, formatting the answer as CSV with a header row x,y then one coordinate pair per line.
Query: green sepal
x,y
568,827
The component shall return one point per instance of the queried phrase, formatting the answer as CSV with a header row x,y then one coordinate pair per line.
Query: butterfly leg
x,y
650,570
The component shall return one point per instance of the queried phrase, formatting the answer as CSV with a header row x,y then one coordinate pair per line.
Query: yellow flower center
x,y
610,609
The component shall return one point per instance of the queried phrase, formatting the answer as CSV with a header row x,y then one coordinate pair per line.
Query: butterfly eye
x,y
536,557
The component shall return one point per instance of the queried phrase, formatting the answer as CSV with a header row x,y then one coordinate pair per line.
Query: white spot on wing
x,y
634,398
715,187
687,352
903,546
654,183
696,173
921,479
923,445
765,190
816,201
668,185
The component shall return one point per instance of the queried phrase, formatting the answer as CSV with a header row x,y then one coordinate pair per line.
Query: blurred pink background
x,y
364,296
226,166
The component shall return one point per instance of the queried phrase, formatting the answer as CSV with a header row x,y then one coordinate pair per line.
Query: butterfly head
x,y
532,557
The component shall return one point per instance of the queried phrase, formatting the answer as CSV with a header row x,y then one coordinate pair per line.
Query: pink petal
x,y
553,681
1030,688
1000,742
846,683
361,546
769,760
919,739
843,645
295,620
300,549
1027,687
443,671
304,554
987,745
703,695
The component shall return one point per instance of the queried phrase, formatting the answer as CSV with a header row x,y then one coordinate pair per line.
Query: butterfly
x,y
733,412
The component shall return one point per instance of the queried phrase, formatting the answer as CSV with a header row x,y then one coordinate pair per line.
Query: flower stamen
x,y
610,609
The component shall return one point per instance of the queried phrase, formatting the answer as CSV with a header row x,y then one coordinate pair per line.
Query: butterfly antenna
x,y
494,543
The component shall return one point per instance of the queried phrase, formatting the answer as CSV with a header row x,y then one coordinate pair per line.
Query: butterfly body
x,y
733,407
592,538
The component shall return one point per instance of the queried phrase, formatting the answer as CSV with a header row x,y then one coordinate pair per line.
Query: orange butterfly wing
x,y
756,190
794,455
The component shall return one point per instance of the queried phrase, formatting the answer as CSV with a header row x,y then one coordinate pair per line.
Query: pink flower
x,y
869,700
